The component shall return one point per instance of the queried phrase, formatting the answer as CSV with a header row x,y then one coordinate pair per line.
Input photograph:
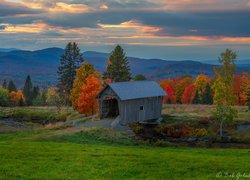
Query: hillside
x,y
42,66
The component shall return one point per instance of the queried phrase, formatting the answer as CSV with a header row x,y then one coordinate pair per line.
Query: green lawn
x,y
100,154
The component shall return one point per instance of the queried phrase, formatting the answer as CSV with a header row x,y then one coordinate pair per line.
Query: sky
x,y
167,29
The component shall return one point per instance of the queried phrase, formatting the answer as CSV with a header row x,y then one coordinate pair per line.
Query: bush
x,y
137,128
200,132
4,97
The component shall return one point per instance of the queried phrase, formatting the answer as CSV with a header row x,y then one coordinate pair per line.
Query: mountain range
x,y
42,66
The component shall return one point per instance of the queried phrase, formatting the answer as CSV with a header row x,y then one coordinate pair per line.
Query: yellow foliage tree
x,y
82,73
200,83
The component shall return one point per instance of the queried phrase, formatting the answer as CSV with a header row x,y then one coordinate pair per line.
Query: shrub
x,y
137,128
200,132
4,97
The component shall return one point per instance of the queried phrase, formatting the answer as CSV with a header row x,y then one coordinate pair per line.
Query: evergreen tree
x,y
35,92
207,97
118,69
12,86
70,61
4,85
196,98
28,91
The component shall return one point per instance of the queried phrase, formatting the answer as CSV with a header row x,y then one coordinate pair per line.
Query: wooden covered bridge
x,y
133,101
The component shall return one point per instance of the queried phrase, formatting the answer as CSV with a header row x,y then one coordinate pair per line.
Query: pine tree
x,y
35,92
28,91
118,69
70,61
207,97
196,98
12,86
4,85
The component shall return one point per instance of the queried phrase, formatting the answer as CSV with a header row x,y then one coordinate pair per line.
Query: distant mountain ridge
x,y
42,66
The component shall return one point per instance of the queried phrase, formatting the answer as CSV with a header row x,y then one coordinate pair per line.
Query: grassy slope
x,y
65,155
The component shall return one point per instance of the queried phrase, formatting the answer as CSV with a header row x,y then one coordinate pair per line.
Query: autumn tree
x,y
188,95
28,90
240,85
170,97
207,97
224,98
69,62
82,73
200,84
181,84
118,67
16,97
54,99
12,86
196,99
87,102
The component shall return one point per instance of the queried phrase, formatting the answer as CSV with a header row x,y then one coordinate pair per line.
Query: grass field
x,y
78,153
104,154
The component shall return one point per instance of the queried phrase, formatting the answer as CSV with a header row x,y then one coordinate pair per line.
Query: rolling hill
x,y
42,66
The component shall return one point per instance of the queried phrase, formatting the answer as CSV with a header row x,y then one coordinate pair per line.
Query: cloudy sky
x,y
169,29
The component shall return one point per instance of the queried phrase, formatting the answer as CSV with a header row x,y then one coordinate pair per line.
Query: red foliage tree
x,y
188,95
87,102
240,85
170,97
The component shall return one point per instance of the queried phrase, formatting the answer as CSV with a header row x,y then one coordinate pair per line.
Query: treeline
x,y
199,90
29,95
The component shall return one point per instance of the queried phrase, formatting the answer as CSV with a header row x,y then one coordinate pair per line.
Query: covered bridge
x,y
133,101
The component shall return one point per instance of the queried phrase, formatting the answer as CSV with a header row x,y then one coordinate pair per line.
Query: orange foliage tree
x,y
87,102
16,97
81,74
240,85
188,95
181,84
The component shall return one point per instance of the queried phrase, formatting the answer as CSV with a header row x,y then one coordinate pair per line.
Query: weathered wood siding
x,y
130,110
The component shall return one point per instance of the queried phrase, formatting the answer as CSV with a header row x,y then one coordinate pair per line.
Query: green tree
x,y
35,92
207,97
70,61
4,85
40,100
118,69
139,77
248,98
224,98
12,86
21,102
196,98
4,97
28,91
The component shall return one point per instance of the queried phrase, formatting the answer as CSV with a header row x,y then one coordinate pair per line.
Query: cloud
x,y
12,9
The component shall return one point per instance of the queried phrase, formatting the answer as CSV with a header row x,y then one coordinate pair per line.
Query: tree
x,y
54,99
118,69
223,93
200,84
16,98
28,91
70,61
207,97
188,95
240,85
139,77
4,85
181,84
4,97
170,97
248,97
35,92
40,100
87,102
196,99
12,86
82,73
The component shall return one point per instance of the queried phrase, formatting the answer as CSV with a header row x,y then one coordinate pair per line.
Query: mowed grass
x,y
100,154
